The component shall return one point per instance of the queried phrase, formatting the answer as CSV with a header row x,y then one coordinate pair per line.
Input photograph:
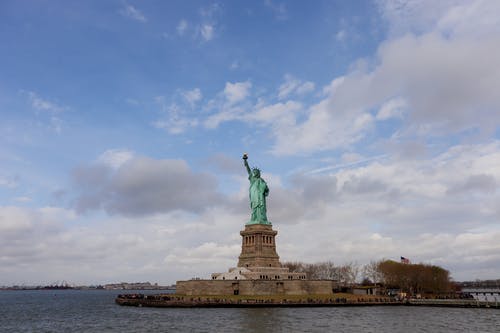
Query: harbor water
x,y
95,311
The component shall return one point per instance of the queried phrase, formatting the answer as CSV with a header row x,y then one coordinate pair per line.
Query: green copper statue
x,y
258,193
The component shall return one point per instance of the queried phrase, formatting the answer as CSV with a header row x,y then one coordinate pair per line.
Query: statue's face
x,y
256,173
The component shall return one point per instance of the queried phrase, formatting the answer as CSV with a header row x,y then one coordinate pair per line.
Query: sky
x,y
375,124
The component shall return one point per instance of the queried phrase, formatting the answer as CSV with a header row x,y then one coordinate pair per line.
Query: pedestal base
x,y
258,247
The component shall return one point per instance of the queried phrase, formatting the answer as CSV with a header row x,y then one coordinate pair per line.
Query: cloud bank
x,y
143,186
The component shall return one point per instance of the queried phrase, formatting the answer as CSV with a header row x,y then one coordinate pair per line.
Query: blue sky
x,y
375,124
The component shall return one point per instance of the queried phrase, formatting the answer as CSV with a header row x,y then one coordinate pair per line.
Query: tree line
x,y
345,274
410,278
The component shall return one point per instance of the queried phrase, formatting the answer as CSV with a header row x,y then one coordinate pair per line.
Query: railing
x,y
466,303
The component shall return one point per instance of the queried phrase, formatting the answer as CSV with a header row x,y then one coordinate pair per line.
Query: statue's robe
x,y
258,192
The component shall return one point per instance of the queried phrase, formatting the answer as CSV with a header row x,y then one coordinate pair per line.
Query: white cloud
x,y
228,113
115,158
322,131
175,125
210,11
424,209
351,158
415,16
207,32
40,104
142,186
182,27
438,74
133,13
175,116
443,210
393,108
275,114
14,219
472,19
279,9
208,23
47,109
205,254
192,96
430,81
236,92
36,251
305,87
288,86
348,160
204,29
439,83
453,18
234,108
293,85
332,88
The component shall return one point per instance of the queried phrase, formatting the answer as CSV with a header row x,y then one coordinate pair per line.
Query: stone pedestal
x,y
258,259
258,248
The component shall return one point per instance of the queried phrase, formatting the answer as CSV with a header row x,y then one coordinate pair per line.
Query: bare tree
x,y
348,273
371,272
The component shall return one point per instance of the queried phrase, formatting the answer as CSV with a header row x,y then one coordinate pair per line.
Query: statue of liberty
x,y
258,192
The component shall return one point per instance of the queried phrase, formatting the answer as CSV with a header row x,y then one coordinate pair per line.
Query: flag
x,y
405,260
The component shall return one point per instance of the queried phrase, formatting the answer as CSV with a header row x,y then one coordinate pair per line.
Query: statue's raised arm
x,y
258,192
245,158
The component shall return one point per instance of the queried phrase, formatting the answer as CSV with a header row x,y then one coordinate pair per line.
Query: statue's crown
x,y
256,169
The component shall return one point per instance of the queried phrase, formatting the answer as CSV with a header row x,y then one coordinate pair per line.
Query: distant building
x,y
483,294
366,290
134,286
